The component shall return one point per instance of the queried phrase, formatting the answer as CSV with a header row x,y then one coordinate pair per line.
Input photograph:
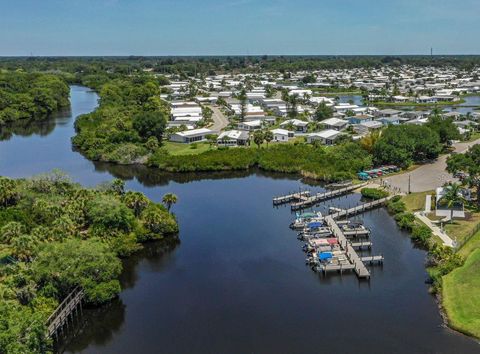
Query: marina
x,y
328,241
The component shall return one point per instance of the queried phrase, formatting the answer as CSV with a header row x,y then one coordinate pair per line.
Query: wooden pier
x,y
320,197
301,195
362,244
357,233
355,260
65,312
360,208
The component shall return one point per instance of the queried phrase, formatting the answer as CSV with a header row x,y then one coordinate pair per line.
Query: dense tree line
x,y
406,144
114,67
55,236
31,95
127,126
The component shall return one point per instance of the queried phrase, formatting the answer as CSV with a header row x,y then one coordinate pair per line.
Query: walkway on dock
x,y
360,208
301,195
65,311
320,197
359,267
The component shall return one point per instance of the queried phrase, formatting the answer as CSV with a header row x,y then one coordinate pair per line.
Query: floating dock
x,y
360,208
320,197
293,197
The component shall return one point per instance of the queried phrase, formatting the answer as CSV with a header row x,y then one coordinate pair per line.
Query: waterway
x,y
237,281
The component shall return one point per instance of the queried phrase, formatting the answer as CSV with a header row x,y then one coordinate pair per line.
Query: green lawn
x,y
185,149
416,201
461,296
177,149
471,245
459,229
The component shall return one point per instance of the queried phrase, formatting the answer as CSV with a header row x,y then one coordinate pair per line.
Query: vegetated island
x,y
56,236
31,96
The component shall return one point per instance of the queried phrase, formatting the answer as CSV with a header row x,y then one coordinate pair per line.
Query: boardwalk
x,y
320,197
65,311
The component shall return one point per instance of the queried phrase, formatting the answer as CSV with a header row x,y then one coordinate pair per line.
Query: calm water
x,y
237,282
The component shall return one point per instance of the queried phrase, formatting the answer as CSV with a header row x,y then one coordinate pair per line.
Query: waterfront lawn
x,y
461,296
185,149
471,245
459,229
416,201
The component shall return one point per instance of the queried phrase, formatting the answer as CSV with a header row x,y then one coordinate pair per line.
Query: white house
x,y
300,125
233,138
326,137
282,135
250,125
456,210
191,136
335,123
366,127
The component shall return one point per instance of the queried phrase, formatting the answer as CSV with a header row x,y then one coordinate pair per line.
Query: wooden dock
x,y
320,197
355,260
357,233
293,197
360,208
65,312
362,244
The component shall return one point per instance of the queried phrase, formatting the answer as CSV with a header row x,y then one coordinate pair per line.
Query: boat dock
x,y
360,208
320,197
355,260
362,244
293,197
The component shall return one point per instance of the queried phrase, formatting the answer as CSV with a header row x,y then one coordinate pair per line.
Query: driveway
x,y
219,119
429,176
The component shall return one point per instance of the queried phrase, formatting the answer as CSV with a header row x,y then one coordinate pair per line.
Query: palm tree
x,y
268,136
452,197
243,104
169,199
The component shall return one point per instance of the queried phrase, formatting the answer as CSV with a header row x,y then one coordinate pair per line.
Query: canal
x,y
237,281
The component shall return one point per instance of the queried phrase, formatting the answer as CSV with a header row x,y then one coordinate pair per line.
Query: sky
x,y
238,27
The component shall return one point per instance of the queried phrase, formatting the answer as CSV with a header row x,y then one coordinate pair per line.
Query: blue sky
x,y
231,27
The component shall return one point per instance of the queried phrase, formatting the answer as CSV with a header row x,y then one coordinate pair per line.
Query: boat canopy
x,y
314,224
325,255
306,215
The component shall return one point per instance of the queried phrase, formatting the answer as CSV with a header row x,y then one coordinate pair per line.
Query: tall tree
x,y
469,163
169,199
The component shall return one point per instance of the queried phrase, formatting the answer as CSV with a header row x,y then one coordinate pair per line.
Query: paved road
x,y
219,119
430,176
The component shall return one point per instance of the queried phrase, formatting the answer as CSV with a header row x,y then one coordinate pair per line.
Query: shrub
x,y
109,213
374,193
421,234
405,220
396,205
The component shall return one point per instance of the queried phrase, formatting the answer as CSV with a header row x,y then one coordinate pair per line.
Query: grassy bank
x,y
335,163
456,273
461,296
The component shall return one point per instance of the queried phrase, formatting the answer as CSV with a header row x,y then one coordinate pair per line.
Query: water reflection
x,y
98,325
